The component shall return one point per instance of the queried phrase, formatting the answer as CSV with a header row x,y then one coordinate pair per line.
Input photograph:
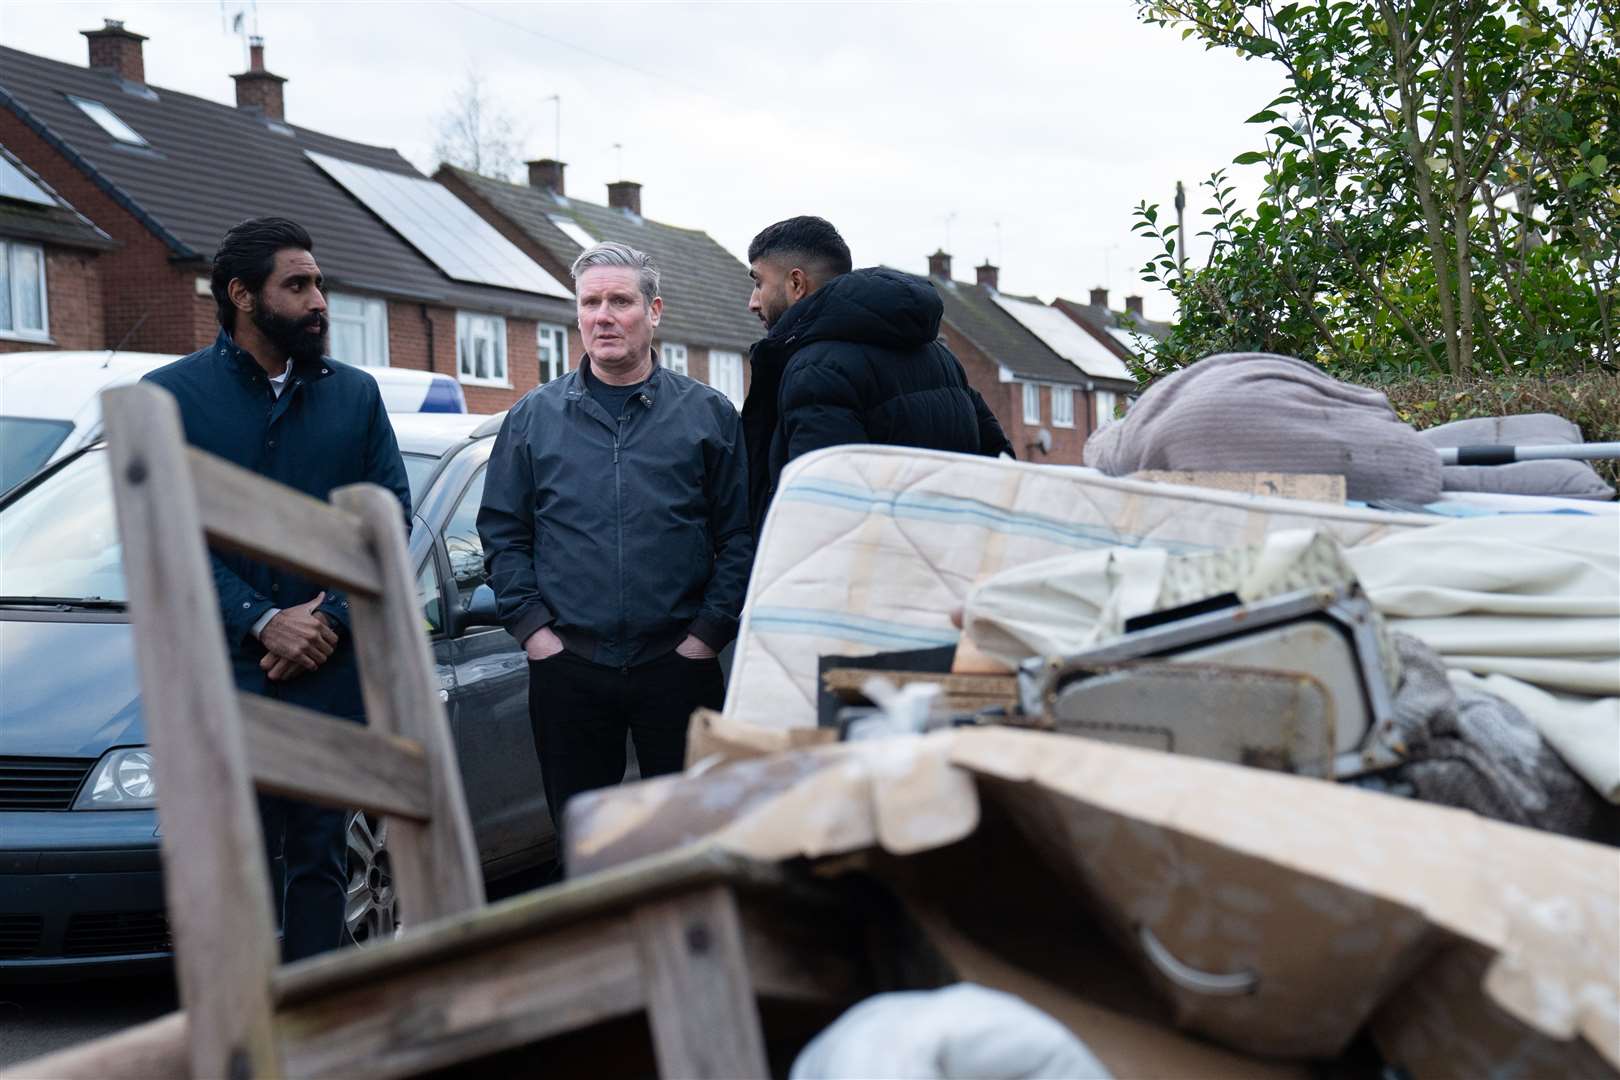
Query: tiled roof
x,y
973,312
705,287
209,166
60,224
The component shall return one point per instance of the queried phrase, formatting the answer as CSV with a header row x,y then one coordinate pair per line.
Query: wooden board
x,y
1311,487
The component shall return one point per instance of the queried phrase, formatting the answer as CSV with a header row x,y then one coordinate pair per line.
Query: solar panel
x,y
1065,337
14,184
442,227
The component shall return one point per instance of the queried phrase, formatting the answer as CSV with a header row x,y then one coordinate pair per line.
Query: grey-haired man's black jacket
x,y
621,535
859,361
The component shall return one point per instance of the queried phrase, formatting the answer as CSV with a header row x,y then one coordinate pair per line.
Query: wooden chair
x,y
690,939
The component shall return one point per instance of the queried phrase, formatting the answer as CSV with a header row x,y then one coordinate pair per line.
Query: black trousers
x,y
581,711
310,841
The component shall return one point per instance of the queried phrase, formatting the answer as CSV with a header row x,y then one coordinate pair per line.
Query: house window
x,y
359,330
23,309
108,121
553,352
1105,406
1032,403
674,357
726,375
1063,406
481,349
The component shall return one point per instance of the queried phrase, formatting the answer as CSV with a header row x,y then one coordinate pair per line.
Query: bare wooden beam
x,y
700,998
436,863
321,759
215,880
280,527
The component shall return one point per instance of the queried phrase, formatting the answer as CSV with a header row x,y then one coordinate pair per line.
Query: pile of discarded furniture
x,y
1022,771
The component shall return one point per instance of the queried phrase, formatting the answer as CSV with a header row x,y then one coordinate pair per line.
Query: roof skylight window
x,y
573,230
108,121
15,184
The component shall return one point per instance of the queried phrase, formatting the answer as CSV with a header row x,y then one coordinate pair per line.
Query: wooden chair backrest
x,y
213,745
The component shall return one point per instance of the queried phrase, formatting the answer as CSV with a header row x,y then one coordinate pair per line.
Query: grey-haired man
x,y
615,529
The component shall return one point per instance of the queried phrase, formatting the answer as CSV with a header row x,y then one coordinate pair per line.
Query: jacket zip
x,y
618,514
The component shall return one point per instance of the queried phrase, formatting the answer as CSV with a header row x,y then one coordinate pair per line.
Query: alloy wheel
x,y
371,911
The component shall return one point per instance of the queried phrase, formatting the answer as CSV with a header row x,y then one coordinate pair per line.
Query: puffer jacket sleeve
x,y
506,527
821,405
993,442
726,487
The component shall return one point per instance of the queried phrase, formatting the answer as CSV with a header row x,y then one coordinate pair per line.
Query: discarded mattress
x,y
870,549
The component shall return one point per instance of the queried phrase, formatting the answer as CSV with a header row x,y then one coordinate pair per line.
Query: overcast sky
x,y
885,118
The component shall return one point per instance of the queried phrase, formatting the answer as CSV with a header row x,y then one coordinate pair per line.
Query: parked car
x,y
50,402
78,832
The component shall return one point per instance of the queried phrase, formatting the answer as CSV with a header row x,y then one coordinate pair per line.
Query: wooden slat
x,y
214,872
244,512
304,755
478,1003
700,997
436,864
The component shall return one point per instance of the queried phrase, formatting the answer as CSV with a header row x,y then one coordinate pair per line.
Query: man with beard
x,y
849,356
266,397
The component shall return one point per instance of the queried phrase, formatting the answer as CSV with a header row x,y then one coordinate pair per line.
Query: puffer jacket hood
x,y
877,306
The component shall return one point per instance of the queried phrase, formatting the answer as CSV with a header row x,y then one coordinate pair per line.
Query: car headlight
x,y
121,780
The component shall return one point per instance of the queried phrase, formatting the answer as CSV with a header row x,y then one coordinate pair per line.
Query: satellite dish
x,y
1043,439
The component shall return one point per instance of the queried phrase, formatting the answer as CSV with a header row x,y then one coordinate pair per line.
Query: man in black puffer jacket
x,y
851,356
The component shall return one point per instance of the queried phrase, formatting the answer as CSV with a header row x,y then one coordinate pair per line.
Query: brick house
x,y
1035,375
415,280
50,280
1127,333
706,329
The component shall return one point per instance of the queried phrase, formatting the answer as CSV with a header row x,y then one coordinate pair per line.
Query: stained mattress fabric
x,y
1241,412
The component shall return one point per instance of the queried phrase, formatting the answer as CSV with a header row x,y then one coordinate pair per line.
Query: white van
x,y
50,402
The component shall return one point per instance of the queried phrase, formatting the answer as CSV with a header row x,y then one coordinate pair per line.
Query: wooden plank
x,y
700,998
243,512
304,755
506,994
436,863
214,873
1314,487
155,1048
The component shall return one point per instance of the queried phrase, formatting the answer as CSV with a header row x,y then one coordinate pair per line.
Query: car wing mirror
x,y
479,609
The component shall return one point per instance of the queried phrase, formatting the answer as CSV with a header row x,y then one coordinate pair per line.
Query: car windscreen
x,y
60,538
418,470
26,443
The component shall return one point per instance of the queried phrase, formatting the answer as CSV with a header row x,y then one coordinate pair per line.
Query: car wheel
x,y
371,912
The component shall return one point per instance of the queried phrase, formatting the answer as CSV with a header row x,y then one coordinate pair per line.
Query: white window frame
x,y
673,356
1032,403
371,319
108,121
1063,406
474,326
1106,402
555,338
12,252
731,382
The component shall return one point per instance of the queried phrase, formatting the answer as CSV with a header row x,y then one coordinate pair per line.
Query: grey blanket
x,y
1257,412
1475,751
1569,479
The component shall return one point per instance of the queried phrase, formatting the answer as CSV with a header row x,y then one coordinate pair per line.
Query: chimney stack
x,y
257,90
625,195
112,48
1133,304
547,175
939,265
1099,297
989,276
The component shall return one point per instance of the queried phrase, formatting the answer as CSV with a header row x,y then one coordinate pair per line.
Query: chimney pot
x,y
112,48
988,275
257,89
1099,297
939,265
547,174
1133,304
625,195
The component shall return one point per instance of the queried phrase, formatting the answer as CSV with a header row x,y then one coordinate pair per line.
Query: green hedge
x,y
1591,401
